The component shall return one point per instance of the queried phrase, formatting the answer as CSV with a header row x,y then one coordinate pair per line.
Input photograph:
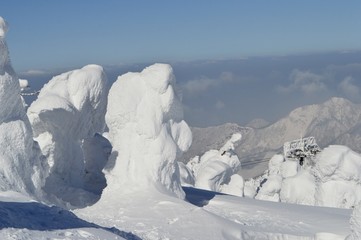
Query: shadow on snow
x,y
199,197
40,217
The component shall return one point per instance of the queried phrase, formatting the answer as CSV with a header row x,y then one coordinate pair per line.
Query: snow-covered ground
x,y
151,215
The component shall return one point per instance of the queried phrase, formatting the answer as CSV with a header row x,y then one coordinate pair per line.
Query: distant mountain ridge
x,y
336,121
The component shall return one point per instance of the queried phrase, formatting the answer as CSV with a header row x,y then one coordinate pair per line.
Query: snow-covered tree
x,y
67,114
147,131
215,170
18,153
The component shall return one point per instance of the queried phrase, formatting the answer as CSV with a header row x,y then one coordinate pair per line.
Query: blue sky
x,y
235,60
50,34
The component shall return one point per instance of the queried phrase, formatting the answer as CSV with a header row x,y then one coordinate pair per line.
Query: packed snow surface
x,y
216,216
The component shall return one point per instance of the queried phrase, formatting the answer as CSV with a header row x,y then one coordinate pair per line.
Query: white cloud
x,y
199,85
204,83
219,105
349,89
304,81
33,72
227,76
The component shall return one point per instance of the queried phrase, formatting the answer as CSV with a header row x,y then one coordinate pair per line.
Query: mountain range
x,y
336,121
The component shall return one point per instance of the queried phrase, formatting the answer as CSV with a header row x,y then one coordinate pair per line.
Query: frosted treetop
x,y
3,27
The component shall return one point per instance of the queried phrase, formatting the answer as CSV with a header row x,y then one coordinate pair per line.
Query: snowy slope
x,y
211,216
216,216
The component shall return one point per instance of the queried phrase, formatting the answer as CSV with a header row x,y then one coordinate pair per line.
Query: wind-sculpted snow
x,y
68,113
147,131
215,169
18,156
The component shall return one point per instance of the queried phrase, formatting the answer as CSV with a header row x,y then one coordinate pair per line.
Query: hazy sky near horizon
x,y
234,60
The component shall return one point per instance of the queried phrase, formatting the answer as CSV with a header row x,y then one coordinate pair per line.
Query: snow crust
x,y
67,114
18,153
147,132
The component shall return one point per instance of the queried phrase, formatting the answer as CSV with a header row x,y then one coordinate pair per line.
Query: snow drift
x,y
147,132
18,156
66,116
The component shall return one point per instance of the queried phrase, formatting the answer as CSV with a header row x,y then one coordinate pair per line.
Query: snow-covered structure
x,y
215,169
147,132
18,155
67,114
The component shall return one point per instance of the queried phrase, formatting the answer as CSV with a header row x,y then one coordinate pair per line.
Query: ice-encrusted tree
x,y
217,170
18,154
147,131
65,118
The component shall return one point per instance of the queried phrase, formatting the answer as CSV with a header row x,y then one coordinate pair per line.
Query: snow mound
x,y
66,116
214,170
147,132
18,155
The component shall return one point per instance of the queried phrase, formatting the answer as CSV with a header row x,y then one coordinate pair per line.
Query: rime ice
x,y
18,160
68,113
147,131
216,169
